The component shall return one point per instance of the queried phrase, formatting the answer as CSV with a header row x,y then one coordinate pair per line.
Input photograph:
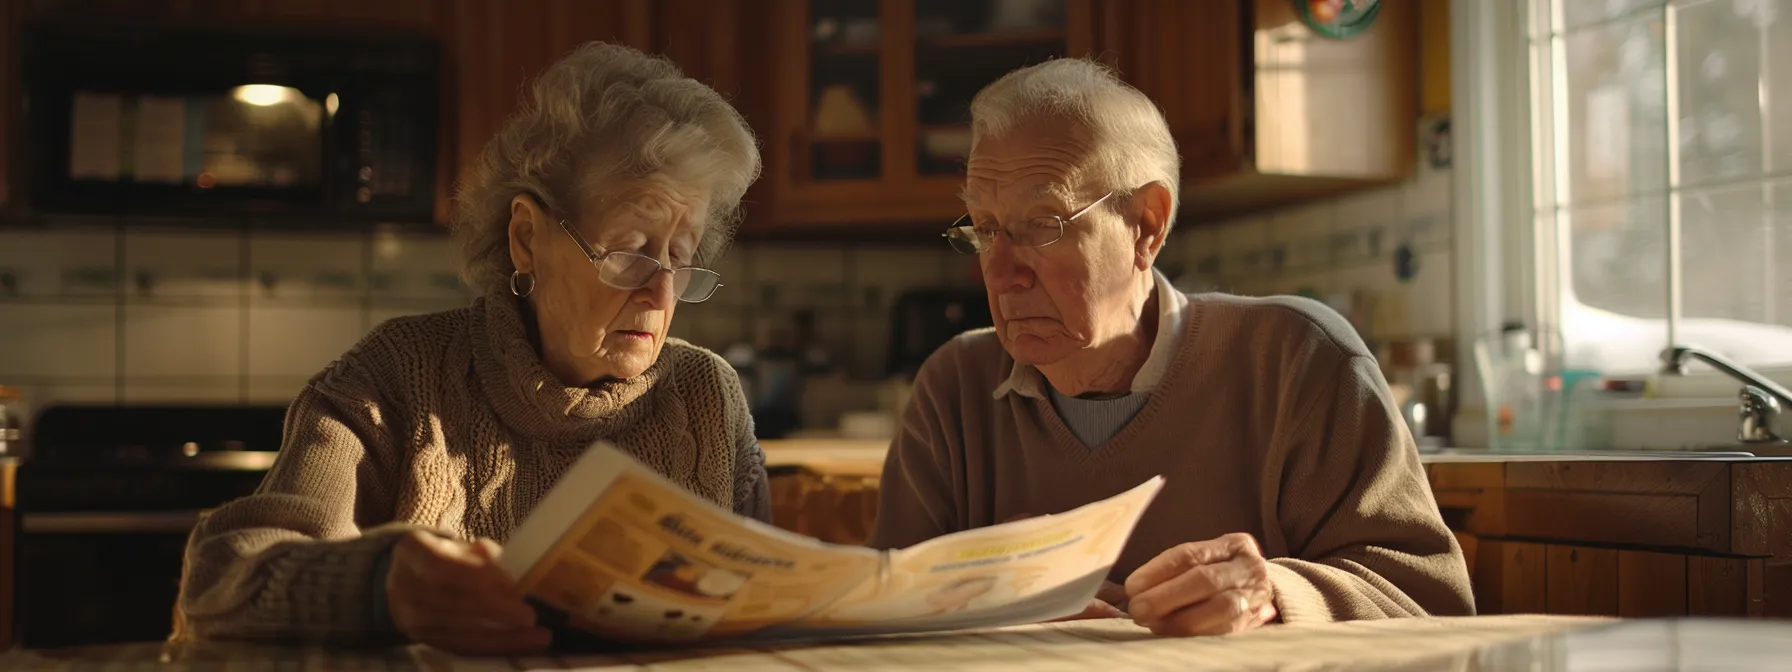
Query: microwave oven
x,y
202,121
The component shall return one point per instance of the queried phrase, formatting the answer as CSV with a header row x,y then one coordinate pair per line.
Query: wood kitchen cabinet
x,y
490,49
1265,111
869,121
871,96
1624,538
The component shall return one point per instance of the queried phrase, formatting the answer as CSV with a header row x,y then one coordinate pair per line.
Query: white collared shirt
x,y
1172,312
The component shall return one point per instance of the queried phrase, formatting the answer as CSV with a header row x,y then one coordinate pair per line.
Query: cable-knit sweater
x,y
445,422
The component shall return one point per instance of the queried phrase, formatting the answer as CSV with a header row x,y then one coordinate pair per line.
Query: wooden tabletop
x,y
1452,643
799,452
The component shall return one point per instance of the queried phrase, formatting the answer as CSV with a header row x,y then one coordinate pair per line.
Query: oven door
x,y
99,577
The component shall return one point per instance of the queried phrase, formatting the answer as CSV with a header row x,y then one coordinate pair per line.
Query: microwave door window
x,y
254,136
263,136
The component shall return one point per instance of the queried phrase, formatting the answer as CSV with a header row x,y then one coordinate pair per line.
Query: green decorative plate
x,y
1337,19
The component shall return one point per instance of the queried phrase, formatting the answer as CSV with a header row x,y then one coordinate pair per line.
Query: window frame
x,y
1503,272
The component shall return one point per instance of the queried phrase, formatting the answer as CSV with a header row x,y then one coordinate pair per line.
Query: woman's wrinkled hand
x,y
452,595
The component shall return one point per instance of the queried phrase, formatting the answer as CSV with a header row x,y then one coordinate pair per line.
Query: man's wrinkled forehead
x,y
987,192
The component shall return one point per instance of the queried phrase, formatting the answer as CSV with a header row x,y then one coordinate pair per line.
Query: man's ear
x,y
1151,210
525,215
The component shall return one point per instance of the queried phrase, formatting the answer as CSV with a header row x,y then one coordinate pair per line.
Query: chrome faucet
x,y
1761,399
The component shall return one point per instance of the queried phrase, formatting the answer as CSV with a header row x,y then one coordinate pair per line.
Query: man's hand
x,y
453,595
1210,587
1108,603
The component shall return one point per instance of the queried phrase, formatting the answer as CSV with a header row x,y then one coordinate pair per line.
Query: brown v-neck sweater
x,y
1272,419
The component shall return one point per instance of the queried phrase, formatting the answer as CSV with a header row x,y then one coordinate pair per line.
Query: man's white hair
x,y
603,117
1133,146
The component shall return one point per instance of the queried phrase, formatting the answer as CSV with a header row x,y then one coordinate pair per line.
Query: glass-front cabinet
x,y
872,99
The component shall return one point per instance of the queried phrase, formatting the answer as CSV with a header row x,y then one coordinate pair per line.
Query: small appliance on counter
x,y
105,483
924,319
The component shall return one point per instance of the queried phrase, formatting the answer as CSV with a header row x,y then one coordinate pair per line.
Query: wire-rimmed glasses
x,y
629,271
1034,232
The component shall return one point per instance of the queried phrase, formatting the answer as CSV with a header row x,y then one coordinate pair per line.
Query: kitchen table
x,y
1523,642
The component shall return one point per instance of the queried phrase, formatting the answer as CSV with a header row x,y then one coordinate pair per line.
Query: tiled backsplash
x,y
134,312
1382,257
129,311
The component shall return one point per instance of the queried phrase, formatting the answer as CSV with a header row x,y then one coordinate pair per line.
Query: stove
x,y
104,483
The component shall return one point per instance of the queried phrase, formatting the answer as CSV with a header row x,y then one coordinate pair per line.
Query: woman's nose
x,y
657,293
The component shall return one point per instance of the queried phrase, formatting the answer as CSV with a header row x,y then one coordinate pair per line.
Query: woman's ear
x,y
1151,209
525,216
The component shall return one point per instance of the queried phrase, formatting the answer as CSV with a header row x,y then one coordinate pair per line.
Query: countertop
x,y
1530,643
820,448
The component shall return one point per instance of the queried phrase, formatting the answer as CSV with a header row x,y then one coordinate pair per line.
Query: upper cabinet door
x,y
833,70
1189,57
960,46
871,121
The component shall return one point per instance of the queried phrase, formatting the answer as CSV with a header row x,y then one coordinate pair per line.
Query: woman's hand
x,y
453,595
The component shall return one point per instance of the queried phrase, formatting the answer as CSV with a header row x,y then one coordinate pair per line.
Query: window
x,y
1661,178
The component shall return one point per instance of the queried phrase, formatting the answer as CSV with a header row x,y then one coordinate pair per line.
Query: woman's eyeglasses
x,y
629,271
1036,232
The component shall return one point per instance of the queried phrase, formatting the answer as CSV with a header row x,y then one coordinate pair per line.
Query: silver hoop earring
x,y
520,290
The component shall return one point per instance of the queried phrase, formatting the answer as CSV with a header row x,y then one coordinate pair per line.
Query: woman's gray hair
x,y
603,116
1133,145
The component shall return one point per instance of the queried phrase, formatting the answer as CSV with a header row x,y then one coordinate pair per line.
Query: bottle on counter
x,y
1519,369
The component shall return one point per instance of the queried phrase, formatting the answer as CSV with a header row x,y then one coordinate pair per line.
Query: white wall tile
x,y
962,270
737,282
879,277
59,341
386,310
183,264
276,391
1381,206
300,340
799,276
1430,296
1244,248
196,391
59,263
1304,233
1428,194
313,267
182,341
415,266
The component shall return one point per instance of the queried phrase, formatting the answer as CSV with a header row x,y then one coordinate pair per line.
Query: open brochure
x,y
617,551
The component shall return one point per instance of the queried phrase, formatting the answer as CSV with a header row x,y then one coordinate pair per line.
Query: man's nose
x,y
1003,269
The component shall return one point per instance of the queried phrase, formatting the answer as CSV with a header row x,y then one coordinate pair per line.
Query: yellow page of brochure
x,y
618,551
628,556
1021,572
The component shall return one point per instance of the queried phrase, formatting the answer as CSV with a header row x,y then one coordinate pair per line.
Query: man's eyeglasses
x,y
630,271
1036,232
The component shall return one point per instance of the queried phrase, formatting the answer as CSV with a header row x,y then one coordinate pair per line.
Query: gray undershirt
x,y
1094,421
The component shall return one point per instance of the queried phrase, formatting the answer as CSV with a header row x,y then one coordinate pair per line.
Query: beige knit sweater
x,y
1271,419
446,422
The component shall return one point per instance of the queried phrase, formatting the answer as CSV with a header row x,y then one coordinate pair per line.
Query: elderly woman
x,y
1292,491
409,459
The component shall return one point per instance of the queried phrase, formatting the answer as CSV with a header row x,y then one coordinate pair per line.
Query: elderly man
x,y
1293,491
